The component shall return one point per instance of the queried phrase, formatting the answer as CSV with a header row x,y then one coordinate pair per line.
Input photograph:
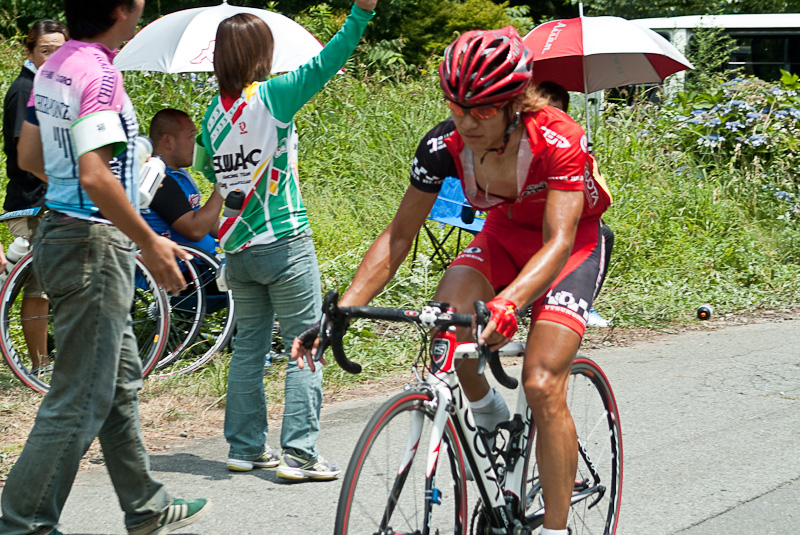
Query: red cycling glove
x,y
504,315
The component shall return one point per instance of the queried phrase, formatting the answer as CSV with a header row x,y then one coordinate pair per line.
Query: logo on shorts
x,y
567,299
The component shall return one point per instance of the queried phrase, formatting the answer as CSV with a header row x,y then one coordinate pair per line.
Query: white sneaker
x,y
269,459
596,320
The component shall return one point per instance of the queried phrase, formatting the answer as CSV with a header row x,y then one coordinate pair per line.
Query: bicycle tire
x,y
215,329
187,311
383,489
148,313
594,410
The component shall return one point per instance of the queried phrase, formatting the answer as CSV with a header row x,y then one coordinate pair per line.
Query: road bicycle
x,y
149,313
410,468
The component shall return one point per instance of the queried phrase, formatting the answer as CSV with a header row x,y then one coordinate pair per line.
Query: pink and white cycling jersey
x,y
79,104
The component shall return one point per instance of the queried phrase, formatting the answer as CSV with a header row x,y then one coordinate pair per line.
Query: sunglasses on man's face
x,y
477,112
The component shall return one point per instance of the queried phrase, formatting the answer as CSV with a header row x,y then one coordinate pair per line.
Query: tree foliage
x,y
636,9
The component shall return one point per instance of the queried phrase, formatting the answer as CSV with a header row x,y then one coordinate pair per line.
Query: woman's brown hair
x,y
243,53
44,27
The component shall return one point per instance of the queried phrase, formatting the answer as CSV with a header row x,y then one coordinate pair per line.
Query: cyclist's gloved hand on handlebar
x,y
502,325
305,346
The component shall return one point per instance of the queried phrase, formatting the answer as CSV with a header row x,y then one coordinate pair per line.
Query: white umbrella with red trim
x,y
183,41
587,54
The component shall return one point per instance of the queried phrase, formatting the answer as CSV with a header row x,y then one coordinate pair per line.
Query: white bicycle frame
x,y
444,384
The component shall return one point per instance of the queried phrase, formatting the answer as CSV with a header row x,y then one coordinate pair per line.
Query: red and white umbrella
x,y
183,41
587,54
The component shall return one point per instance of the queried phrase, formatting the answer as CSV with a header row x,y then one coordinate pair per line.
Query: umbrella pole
x,y
586,95
588,122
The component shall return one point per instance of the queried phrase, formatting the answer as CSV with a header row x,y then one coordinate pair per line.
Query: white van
x,y
766,43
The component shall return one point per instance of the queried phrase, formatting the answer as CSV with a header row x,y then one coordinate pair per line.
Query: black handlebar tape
x,y
337,323
341,359
493,358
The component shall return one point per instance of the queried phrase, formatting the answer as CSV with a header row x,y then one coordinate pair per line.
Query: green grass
x,y
688,230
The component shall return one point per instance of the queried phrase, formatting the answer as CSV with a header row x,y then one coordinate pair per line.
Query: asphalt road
x,y
711,436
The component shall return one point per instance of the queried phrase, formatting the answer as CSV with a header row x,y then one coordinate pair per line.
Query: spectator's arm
x,y
195,225
29,151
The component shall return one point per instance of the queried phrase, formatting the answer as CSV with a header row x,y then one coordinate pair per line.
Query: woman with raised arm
x,y
526,164
250,140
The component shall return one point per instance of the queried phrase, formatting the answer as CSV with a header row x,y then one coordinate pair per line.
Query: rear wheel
x,y
385,489
202,318
598,481
148,313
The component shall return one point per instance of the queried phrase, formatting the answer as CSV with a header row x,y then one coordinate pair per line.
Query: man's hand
x,y
159,256
305,346
503,324
367,5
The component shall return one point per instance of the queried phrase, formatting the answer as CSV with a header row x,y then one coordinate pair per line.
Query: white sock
x,y
490,410
484,401
546,531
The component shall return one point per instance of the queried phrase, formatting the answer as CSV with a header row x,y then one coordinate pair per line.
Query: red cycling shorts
x,y
500,252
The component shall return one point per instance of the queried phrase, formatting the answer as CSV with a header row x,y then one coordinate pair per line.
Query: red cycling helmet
x,y
485,67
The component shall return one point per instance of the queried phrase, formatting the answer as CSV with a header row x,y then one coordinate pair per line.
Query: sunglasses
x,y
477,112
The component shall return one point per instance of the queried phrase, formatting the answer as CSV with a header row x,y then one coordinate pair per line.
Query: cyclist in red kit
x,y
527,165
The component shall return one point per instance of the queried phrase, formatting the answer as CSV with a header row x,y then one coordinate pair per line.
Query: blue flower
x,y
711,140
734,126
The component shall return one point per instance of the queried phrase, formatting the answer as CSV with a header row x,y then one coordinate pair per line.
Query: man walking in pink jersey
x,y
79,135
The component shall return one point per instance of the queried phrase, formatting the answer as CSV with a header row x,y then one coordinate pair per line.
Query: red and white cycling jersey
x,y
552,155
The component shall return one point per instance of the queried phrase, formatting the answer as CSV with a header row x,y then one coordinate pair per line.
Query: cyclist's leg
x,y
461,286
475,274
558,323
548,359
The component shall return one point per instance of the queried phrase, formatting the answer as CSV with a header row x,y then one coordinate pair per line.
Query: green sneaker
x,y
179,514
269,459
298,467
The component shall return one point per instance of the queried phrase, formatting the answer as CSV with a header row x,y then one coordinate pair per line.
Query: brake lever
x,y
482,317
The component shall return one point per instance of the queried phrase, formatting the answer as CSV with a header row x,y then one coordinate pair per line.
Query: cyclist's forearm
x,y
377,268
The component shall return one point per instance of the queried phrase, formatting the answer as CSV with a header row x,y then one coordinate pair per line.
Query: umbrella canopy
x,y
183,41
588,54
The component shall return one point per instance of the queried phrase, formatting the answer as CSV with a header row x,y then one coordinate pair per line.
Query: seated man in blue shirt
x,y
175,211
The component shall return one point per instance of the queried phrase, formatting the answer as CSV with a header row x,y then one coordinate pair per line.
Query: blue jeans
x,y
87,271
280,279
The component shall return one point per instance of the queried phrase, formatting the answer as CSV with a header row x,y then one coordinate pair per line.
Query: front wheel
x,y
386,489
598,481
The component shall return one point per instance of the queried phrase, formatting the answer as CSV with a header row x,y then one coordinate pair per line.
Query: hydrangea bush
x,y
746,128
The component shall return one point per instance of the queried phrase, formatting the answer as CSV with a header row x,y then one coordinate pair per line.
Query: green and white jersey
x,y
250,144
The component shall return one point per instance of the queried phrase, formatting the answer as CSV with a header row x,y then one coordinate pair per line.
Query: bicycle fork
x,y
432,493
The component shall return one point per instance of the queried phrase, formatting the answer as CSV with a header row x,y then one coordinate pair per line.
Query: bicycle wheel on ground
x,y
202,318
598,481
148,313
385,489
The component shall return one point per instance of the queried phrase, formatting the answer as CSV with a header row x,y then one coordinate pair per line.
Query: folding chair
x,y
450,209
